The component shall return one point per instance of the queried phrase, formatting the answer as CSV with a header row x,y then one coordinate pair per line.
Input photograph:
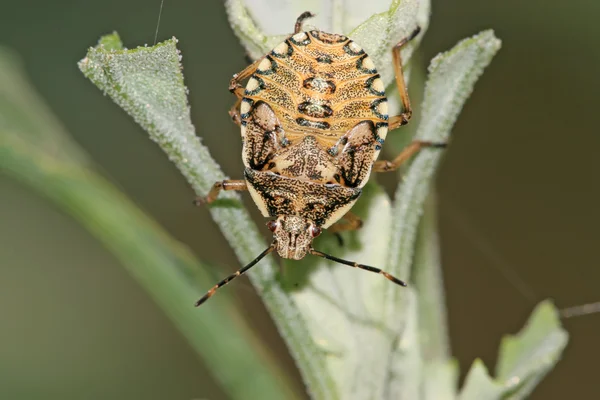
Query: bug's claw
x,y
199,201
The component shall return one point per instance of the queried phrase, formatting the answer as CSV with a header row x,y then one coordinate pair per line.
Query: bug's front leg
x,y
234,85
237,185
234,113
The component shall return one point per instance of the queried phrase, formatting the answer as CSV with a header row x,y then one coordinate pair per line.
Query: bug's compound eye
x,y
272,225
315,231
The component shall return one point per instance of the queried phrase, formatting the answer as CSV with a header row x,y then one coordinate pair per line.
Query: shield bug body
x,y
313,118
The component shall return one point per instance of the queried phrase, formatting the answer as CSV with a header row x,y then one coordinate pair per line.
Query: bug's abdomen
x,y
320,84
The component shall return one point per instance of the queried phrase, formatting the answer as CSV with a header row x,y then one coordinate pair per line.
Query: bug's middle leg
x,y
412,148
237,184
349,222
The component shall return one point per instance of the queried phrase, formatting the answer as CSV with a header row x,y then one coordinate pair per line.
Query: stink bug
x,y
313,118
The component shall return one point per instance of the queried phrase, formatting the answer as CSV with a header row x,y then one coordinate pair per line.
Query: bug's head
x,y
293,235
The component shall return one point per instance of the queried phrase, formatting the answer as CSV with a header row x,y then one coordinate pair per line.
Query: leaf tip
x,y
111,42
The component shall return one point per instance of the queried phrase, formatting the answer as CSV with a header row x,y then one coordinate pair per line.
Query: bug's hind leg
x,y
304,16
349,222
402,119
238,185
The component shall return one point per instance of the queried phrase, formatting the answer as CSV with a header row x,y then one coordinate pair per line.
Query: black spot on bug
x,y
304,42
361,68
375,105
369,85
315,110
324,59
312,124
269,71
290,51
254,92
250,102
351,52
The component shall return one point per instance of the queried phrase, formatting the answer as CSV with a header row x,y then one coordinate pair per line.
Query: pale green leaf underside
x,y
35,149
524,359
147,83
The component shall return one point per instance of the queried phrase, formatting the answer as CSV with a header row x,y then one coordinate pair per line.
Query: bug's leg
x,y
234,84
414,147
305,15
402,119
238,185
349,222
234,112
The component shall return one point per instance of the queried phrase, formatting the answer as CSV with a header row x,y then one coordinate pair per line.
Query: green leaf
x,y
528,356
441,380
524,359
452,76
433,329
147,83
479,386
35,150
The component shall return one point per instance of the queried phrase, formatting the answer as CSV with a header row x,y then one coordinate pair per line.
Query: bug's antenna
x,y
158,22
578,311
235,275
300,20
356,265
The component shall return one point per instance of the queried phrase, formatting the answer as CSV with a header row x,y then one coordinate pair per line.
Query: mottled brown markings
x,y
262,135
302,196
305,160
315,110
356,157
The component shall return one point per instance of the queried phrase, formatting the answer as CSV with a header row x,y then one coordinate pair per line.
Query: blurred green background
x,y
518,193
